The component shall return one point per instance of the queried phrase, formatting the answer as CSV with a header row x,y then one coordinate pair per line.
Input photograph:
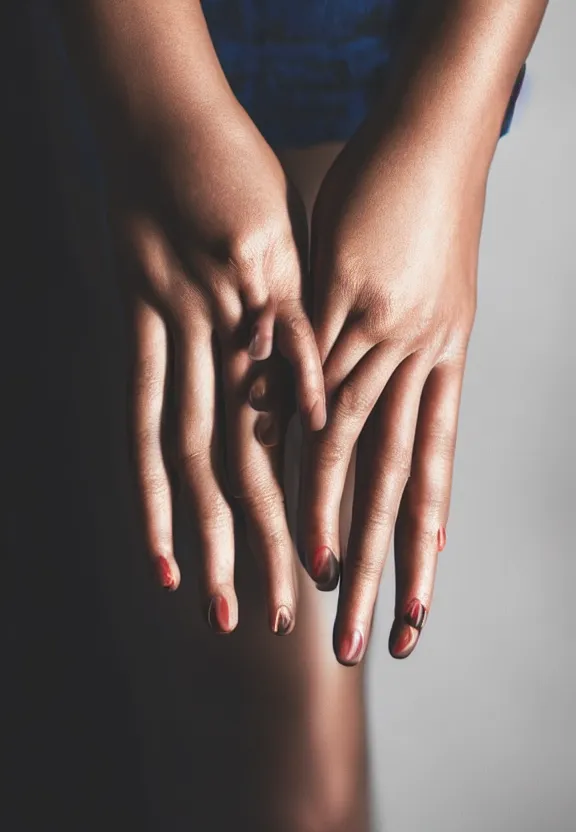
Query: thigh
x,y
301,714
249,729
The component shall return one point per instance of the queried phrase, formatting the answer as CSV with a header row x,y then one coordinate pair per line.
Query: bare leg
x,y
244,731
335,788
286,718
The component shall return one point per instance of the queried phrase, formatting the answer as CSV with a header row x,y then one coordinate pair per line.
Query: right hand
x,y
213,239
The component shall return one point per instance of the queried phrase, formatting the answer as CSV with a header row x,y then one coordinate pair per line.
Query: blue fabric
x,y
307,71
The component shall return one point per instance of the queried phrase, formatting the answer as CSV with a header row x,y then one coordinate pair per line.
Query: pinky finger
x,y
149,382
420,531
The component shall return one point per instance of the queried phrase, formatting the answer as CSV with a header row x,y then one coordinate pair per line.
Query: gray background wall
x,y
476,731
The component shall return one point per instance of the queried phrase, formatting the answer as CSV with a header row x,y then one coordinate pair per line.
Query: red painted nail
x,y
441,538
323,566
219,614
164,573
351,647
415,614
283,622
402,640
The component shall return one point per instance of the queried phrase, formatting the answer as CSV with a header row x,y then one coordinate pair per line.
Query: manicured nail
x,y
441,538
165,573
351,647
415,614
324,568
318,415
283,622
266,431
402,640
219,614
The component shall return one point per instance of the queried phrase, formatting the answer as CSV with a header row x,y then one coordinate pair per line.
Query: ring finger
x,y
421,527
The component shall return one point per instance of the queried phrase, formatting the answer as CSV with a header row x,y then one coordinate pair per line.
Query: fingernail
x,y
415,614
165,573
318,415
283,622
441,538
219,614
254,345
323,567
402,640
257,393
351,647
266,432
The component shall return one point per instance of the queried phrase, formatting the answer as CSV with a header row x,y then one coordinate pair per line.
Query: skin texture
x,y
299,761
394,252
203,299
213,241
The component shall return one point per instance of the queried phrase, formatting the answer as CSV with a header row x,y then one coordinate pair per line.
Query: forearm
x,y
455,82
142,62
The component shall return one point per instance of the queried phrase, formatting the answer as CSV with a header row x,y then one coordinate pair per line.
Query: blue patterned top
x,y
307,71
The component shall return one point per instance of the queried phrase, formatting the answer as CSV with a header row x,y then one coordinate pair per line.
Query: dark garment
x,y
308,71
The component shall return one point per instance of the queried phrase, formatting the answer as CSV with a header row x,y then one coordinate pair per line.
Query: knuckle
x,y
192,458
367,570
145,440
422,507
329,452
275,541
380,517
154,483
398,463
213,516
252,485
148,377
443,442
296,325
350,400
247,251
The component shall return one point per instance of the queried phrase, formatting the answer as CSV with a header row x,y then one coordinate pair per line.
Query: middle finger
x,y
253,472
327,456
382,470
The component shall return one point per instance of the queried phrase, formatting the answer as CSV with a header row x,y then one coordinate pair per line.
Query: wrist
x,y
453,82
149,70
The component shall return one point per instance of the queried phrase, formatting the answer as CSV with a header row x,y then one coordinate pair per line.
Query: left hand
x,y
395,237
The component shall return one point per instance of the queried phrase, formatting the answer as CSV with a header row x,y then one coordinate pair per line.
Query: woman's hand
x,y
214,240
395,236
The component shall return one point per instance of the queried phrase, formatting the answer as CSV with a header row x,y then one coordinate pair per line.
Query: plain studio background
x,y
476,731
